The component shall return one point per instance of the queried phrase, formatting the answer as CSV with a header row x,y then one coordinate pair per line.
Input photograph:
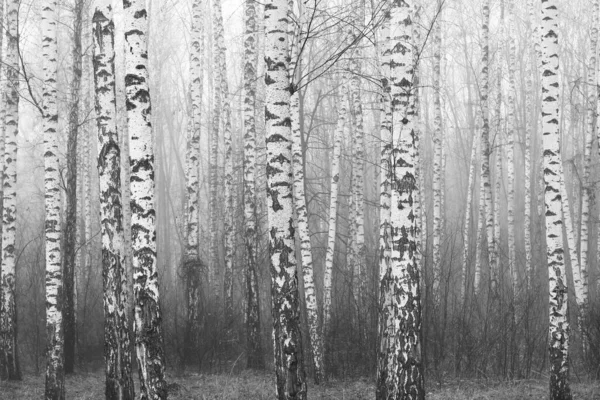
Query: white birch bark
x,y
289,366
9,359
558,323
510,142
467,223
118,369
333,207
529,132
192,264
147,313
253,330
437,160
587,192
358,164
55,377
399,362
316,340
485,145
386,148
223,88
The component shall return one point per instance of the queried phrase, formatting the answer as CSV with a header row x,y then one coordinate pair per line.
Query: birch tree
x,y
558,324
9,357
333,207
510,156
289,366
306,260
147,312
192,264
438,174
70,235
467,226
117,349
587,194
253,332
55,374
486,200
222,90
400,367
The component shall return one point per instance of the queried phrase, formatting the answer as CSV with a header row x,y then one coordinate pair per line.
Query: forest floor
x,y
248,385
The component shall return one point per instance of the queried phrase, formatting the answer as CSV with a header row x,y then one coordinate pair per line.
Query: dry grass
x,y
249,385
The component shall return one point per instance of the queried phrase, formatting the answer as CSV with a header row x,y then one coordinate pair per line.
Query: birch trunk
x,y
226,109
316,340
587,192
510,158
485,145
480,238
558,323
9,354
359,256
437,161
71,209
213,140
192,263
289,365
117,349
529,133
147,313
400,367
253,330
467,226
55,374
333,207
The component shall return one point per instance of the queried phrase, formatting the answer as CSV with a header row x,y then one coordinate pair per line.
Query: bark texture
x,y
9,354
55,374
557,280
253,330
316,340
400,364
289,365
147,313
117,340
192,264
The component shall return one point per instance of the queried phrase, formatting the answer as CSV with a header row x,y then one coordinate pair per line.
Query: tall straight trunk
x,y
289,363
333,208
192,263
480,238
253,329
117,349
399,361
358,168
147,313
385,131
438,173
213,143
587,193
316,340
467,226
223,88
529,133
9,354
557,279
567,217
70,235
510,158
55,374
485,144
